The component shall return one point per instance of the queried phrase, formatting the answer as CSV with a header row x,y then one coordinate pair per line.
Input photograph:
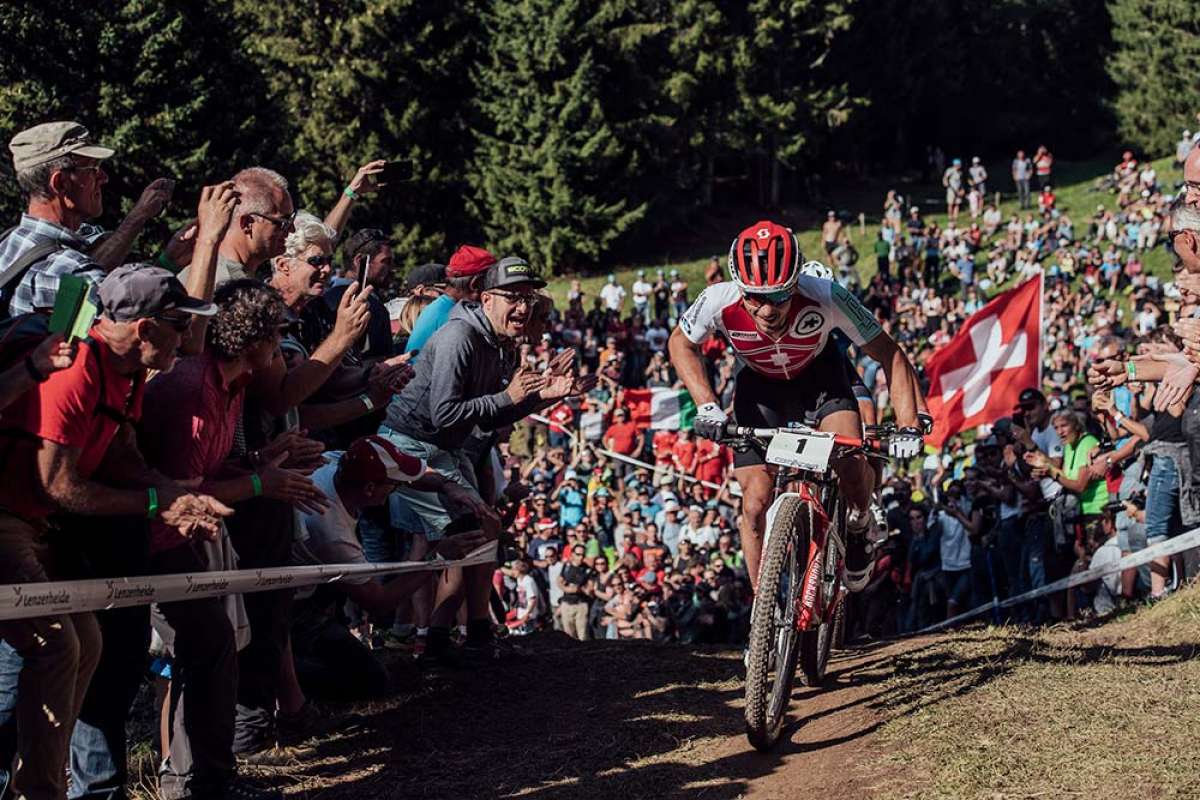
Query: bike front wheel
x,y
774,640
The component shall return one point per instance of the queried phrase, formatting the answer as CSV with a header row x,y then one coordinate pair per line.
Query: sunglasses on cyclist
x,y
769,298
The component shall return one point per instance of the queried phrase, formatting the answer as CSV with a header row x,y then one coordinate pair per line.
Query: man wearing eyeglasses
x,y
70,448
59,167
1191,178
459,387
262,221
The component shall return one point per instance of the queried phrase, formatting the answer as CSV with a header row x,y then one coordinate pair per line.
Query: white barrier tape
x,y
1170,547
630,460
21,600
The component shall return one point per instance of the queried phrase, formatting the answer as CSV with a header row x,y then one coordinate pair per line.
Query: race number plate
x,y
809,451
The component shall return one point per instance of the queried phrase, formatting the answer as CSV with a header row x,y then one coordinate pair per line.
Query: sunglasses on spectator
x,y
319,261
178,323
517,298
1191,186
288,223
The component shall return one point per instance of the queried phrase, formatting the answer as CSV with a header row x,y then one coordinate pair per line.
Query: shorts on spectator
x,y
429,507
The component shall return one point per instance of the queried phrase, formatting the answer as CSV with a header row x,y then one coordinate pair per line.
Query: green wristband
x,y
353,195
151,503
1131,370
257,482
166,263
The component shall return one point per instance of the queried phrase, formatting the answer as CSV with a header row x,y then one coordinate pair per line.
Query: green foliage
x,y
787,100
138,74
549,170
370,79
975,77
1156,69
578,132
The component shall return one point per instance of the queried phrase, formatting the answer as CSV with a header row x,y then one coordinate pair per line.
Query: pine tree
x,y
162,83
699,90
1156,68
369,79
788,101
550,174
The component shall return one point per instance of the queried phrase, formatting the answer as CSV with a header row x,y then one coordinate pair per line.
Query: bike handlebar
x,y
872,443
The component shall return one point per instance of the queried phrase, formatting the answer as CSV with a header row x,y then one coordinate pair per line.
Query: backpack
x,y
12,274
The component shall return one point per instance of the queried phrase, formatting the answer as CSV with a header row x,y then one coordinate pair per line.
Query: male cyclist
x,y
779,324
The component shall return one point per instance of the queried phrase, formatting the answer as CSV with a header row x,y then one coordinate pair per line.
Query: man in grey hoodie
x,y
461,385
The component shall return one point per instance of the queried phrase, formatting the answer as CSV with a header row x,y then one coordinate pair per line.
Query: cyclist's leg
x,y
757,485
856,479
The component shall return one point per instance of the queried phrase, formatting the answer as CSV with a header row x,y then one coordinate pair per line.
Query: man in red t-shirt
x,y
710,463
562,423
684,453
74,427
663,445
625,438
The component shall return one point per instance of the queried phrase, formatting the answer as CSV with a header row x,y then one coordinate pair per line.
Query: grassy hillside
x,y
1074,190
1101,711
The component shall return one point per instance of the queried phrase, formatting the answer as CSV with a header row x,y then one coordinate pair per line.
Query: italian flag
x,y
660,409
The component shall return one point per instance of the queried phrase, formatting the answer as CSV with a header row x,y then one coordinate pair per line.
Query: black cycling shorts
x,y
820,390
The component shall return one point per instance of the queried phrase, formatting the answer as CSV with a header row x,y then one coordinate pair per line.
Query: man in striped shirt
x,y
59,167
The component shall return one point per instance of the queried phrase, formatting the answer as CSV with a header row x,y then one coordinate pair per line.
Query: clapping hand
x,y
1188,329
291,486
192,514
1177,382
525,382
303,454
1107,374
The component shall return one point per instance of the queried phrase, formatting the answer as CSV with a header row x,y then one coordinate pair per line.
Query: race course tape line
x,y
21,600
1170,547
629,459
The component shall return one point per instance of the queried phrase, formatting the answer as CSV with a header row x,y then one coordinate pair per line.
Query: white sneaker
x,y
862,533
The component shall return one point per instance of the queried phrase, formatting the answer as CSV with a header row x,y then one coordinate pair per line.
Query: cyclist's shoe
x,y
861,535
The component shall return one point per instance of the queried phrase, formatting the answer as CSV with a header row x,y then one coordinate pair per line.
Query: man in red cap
x,y
464,280
334,665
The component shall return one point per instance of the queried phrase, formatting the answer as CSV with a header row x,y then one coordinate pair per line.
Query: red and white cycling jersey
x,y
819,307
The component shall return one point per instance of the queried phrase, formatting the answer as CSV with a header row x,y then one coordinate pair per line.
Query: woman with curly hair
x,y
187,432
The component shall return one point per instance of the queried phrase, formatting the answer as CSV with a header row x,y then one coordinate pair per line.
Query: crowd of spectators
x,y
260,391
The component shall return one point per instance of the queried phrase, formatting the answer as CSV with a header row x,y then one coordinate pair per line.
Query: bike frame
x,y
819,493
816,493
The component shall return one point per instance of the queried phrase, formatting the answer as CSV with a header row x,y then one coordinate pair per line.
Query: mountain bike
x,y
800,597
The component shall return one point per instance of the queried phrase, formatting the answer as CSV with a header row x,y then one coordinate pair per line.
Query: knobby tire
x,y
767,697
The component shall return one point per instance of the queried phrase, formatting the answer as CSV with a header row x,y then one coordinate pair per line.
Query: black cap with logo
x,y
509,271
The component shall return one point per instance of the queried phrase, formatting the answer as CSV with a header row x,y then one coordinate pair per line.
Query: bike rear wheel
x,y
774,640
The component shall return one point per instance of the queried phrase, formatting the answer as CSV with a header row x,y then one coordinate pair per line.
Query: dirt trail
x,y
827,750
601,720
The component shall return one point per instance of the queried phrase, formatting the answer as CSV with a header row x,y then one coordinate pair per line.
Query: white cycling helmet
x,y
815,269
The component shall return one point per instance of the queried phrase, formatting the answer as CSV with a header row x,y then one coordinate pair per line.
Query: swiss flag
x,y
976,378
